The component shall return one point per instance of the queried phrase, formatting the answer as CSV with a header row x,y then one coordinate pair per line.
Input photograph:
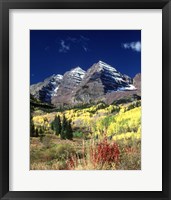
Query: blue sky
x,y
57,51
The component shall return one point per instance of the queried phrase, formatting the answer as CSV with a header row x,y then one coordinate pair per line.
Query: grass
x,y
84,155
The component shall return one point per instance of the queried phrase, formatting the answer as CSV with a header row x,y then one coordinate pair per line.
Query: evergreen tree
x,y
41,134
64,128
37,132
32,128
69,134
52,125
56,125
66,131
41,131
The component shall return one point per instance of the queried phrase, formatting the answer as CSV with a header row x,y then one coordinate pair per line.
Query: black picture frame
x,y
5,6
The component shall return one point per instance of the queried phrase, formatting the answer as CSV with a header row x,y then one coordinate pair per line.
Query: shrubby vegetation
x,y
87,137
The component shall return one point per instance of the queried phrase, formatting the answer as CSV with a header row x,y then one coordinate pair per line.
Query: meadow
x,y
93,137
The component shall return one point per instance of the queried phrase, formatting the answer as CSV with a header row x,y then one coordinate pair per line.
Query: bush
x,y
130,158
105,152
62,151
100,155
47,141
78,134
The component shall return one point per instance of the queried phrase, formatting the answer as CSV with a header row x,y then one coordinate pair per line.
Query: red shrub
x,y
72,162
105,152
97,155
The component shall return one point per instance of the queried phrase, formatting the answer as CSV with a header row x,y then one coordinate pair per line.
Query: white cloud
x,y
135,46
72,39
81,41
70,42
83,38
63,47
85,48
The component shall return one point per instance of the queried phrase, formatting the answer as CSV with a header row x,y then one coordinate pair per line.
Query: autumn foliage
x,y
97,137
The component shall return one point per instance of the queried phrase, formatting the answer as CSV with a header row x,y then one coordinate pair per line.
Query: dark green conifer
x,y
37,132
56,125
41,134
32,128
41,131
64,128
69,134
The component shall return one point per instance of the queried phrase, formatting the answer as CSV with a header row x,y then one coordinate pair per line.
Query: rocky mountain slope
x,y
101,82
69,83
45,90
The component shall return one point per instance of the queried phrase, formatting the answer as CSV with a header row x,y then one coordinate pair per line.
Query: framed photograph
x,y
85,99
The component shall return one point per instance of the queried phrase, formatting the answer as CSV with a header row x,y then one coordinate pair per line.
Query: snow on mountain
x,y
70,81
130,87
58,77
101,78
77,86
46,89
103,65
77,73
111,79
118,81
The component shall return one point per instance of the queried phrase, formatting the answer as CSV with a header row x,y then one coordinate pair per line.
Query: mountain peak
x,y
77,69
58,76
106,66
100,61
77,86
